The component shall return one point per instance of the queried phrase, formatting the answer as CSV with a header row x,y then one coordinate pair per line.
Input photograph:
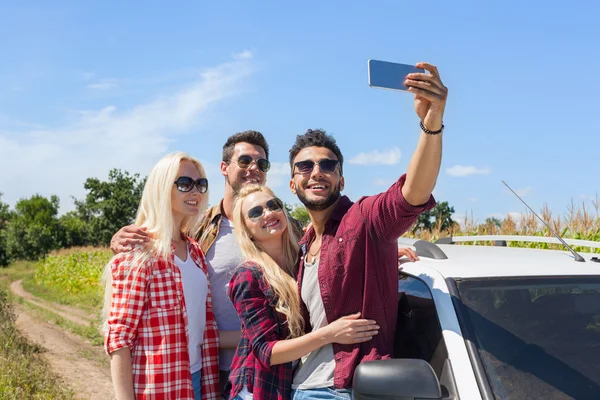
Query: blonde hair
x,y
279,277
156,215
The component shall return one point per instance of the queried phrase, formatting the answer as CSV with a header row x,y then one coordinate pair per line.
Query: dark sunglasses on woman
x,y
274,205
186,184
246,161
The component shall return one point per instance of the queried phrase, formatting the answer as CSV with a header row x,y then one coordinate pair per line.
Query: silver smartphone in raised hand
x,y
388,75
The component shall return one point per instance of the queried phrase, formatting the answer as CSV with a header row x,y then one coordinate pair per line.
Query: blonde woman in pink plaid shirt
x,y
160,347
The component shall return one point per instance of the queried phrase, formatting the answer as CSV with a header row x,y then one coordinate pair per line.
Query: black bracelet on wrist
x,y
427,131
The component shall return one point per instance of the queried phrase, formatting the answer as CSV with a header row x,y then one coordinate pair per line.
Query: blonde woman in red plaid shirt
x,y
265,294
160,330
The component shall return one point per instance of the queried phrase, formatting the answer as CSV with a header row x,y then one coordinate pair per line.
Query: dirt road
x,y
81,365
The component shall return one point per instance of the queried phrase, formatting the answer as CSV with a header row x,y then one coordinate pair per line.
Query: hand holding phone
x,y
388,75
428,89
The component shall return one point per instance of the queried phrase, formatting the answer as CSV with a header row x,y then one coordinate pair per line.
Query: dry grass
x,y
579,222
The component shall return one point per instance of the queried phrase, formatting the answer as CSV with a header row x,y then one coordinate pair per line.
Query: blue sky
x,y
88,87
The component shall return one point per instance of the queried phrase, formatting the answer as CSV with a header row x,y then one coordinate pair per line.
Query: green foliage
x,y
493,221
73,231
74,275
110,205
5,216
439,217
300,213
32,231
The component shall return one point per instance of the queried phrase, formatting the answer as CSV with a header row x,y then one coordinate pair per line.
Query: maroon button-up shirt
x,y
358,270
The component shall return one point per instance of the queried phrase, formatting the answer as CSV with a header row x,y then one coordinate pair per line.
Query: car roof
x,y
467,261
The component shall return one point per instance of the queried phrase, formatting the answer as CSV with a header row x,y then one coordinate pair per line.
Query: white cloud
x,y
587,197
88,76
465,170
58,160
516,216
497,215
278,175
244,55
376,157
381,182
522,191
104,84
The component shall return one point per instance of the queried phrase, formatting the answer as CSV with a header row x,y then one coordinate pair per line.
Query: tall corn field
x,y
579,222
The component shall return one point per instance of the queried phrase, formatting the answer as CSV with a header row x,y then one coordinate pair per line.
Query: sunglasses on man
x,y
256,213
326,165
186,184
246,161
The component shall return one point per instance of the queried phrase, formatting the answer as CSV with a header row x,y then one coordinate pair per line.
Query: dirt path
x,y
81,365
70,313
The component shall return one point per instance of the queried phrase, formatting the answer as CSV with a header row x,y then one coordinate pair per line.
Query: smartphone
x,y
388,75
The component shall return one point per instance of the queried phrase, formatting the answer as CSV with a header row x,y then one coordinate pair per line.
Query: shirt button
x,y
322,285
340,240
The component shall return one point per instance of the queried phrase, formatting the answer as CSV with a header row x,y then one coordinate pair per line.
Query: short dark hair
x,y
316,138
253,137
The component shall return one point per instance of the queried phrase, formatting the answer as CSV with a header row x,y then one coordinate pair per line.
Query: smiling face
x,y
317,189
186,204
268,225
237,177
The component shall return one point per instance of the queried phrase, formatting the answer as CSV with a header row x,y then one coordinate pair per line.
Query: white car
x,y
492,322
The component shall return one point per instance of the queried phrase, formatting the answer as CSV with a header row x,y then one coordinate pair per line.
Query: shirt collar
x,y
341,208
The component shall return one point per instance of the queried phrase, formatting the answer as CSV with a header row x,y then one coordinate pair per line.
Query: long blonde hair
x,y
156,215
281,278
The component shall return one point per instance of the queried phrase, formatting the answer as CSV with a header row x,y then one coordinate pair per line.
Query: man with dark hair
x,y
348,258
251,137
245,161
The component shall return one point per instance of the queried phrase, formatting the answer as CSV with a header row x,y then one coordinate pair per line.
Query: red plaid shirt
x,y
262,327
358,270
148,314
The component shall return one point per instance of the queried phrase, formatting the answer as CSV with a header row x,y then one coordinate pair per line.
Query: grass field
x,y
71,277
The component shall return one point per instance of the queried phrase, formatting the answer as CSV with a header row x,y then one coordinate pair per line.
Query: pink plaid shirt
x,y
148,314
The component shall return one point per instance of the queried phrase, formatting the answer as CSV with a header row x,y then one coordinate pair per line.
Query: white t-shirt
x,y
223,257
316,369
195,291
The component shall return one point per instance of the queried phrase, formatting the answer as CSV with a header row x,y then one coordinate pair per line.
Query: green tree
x,y
300,213
493,221
74,231
5,216
33,230
438,217
110,205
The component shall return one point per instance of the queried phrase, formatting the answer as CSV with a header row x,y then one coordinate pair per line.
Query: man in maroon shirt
x,y
348,260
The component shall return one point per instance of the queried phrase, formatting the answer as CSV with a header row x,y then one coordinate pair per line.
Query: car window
x,y
537,337
418,333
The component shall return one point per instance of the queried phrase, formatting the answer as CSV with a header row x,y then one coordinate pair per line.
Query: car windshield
x,y
537,338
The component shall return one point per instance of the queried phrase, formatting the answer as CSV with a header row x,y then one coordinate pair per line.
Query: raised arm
x,y
430,103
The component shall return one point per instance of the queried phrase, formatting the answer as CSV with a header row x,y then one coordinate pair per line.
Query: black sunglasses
x,y
246,161
255,213
186,184
326,165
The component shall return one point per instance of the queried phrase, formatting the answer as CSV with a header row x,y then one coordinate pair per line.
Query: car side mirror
x,y
396,379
